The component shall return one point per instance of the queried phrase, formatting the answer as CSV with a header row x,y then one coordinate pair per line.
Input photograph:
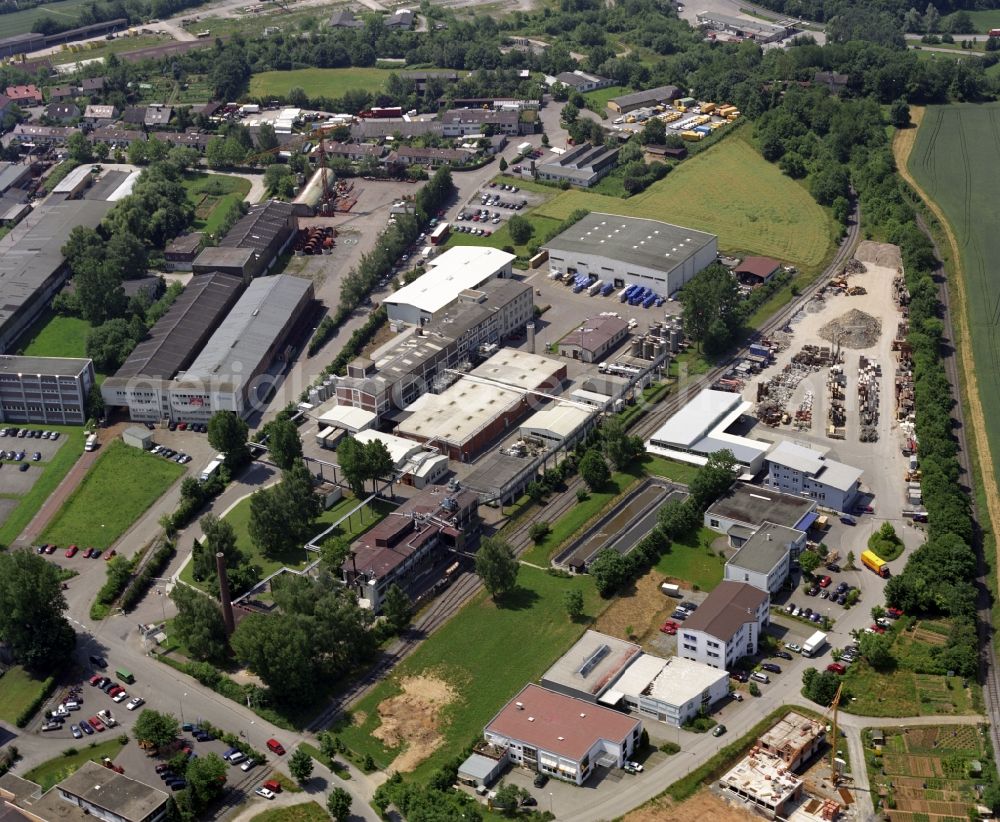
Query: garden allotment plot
x,y
956,160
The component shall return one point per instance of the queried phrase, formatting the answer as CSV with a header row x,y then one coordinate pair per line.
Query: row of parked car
x,y
29,433
170,454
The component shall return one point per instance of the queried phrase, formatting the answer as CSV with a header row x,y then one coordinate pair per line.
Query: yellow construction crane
x,y
833,728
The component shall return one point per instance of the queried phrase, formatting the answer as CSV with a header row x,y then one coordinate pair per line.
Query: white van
x,y
671,590
757,675
237,757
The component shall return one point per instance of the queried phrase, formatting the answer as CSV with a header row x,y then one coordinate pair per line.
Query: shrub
x,y
48,686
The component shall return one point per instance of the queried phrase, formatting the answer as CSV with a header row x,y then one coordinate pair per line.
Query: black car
x,y
782,654
98,661
528,802
167,774
740,676
771,667
109,685
833,567
540,780
688,606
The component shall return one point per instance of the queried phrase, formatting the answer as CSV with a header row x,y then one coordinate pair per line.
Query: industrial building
x,y
580,81
45,389
765,777
727,625
32,267
806,471
587,669
140,385
480,317
754,271
459,269
562,737
91,792
673,691
463,122
75,183
253,244
632,251
414,464
582,166
594,340
644,99
410,546
699,429
227,374
559,423
483,405
765,559
744,509
759,30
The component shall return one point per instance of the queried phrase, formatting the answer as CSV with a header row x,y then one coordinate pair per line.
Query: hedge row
x,y
48,686
140,584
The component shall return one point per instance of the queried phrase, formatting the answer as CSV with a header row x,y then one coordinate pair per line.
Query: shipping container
x,y
608,288
595,287
691,136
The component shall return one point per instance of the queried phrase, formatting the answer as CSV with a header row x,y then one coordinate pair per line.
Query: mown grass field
x,y
598,100
56,336
318,81
22,22
18,690
729,190
212,196
956,160
119,487
55,770
692,559
303,812
477,652
982,20
53,472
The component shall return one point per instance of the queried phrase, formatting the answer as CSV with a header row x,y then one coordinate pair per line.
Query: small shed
x,y
138,437
754,271
481,770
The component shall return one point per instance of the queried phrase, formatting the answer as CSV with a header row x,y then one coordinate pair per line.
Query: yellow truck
x,y
692,136
707,108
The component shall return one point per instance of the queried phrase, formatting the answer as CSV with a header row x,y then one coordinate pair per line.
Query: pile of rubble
x,y
855,329
774,394
869,375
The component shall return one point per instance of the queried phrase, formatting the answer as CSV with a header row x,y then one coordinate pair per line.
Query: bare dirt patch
x,y
703,805
411,718
643,610
883,254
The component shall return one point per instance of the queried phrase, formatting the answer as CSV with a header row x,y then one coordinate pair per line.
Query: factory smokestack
x,y
531,337
224,595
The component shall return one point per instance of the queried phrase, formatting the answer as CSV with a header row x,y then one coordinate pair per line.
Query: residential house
x,y
413,155
58,93
345,19
401,19
726,627
62,112
157,115
92,85
28,95
99,114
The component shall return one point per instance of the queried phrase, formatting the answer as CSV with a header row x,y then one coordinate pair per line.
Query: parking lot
x,y
23,458
495,204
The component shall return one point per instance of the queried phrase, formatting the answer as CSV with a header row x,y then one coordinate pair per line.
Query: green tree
x,y
199,624
338,803
594,470
397,608
677,518
539,531
268,525
617,445
877,649
610,571
279,181
820,687
283,442
78,148
110,343
809,561
710,301
502,165
520,229
497,566
654,132
573,601
155,727
570,113
713,478
228,434
351,459
31,612
300,765
899,114
206,779
281,650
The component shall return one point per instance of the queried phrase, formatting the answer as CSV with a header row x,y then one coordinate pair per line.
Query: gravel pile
x,y
855,329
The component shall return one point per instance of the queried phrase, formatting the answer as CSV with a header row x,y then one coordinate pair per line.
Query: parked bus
x,y
439,234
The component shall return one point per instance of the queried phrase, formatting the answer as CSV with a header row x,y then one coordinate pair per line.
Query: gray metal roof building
x,y
581,166
32,267
649,97
252,245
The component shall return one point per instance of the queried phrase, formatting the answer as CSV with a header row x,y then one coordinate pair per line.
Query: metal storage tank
x,y
675,340
636,349
647,348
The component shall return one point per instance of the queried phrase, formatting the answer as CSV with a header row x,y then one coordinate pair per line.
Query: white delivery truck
x,y
212,467
814,644
670,589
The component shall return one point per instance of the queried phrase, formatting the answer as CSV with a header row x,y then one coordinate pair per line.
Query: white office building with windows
x,y
726,626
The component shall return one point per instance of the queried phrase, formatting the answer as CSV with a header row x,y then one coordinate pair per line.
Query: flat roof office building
x,y
45,389
632,251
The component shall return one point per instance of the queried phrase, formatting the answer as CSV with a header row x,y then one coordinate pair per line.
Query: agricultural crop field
x,y
956,160
316,81
729,190
927,773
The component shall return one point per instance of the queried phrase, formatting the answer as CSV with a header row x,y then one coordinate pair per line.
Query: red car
x,y
110,554
669,627
94,679
837,668
182,426
96,724
878,629
825,582
115,691
87,554
71,551
895,613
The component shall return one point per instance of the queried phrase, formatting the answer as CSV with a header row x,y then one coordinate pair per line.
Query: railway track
x,y
468,585
984,601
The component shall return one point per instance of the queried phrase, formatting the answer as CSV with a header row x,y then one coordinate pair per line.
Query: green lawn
x,y
53,472
598,100
55,770
212,196
543,228
680,472
53,335
119,487
692,560
304,812
239,518
741,197
474,653
317,82
22,22
983,21
18,689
